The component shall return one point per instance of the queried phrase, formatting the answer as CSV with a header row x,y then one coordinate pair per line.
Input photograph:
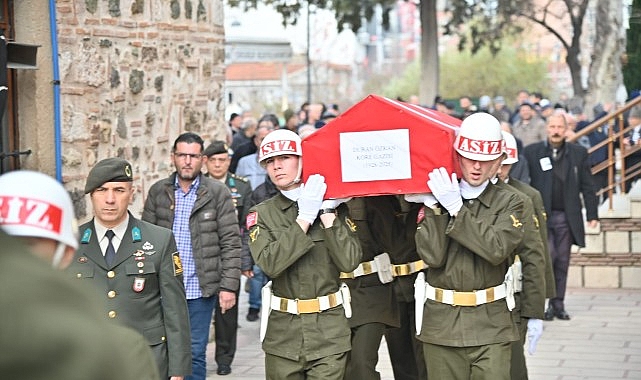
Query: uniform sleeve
x,y
493,239
531,254
342,241
431,240
175,314
275,251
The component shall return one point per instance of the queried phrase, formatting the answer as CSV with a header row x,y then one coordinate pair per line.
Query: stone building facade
x,y
133,76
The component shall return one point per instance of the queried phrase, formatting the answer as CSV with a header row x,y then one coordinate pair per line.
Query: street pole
x,y
309,62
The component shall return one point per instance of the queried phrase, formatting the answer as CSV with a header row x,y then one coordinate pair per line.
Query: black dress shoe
x,y
562,314
223,369
549,313
252,314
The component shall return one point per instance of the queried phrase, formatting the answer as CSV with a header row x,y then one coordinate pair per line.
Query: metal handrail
x,y
614,139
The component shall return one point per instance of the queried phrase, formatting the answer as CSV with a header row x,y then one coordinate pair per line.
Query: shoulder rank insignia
x,y
86,235
178,265
350,224
254,234
515,222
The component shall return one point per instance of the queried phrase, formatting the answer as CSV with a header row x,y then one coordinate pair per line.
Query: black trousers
x,y
226,328
560,244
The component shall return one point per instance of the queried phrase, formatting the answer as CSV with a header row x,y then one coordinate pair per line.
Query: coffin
x,y
381,146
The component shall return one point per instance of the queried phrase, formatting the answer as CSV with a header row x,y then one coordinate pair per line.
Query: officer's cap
x,y
216,147
108,170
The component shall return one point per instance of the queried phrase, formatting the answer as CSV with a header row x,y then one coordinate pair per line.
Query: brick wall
x,y
134,75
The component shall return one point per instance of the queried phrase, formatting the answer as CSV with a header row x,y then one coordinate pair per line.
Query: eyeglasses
x,y
183,156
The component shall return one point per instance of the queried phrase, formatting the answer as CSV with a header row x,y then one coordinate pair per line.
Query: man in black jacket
x,y
561,173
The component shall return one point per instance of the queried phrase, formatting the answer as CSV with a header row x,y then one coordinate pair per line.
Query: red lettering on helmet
x,y
511,152
282,146
30,212
479,146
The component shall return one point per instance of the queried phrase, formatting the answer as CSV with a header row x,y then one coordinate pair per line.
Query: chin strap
x,y
58,255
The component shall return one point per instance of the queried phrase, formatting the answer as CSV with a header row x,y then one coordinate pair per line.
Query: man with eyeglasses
x,y
202,216
217,158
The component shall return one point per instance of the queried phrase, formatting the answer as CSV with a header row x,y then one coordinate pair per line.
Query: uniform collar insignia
x,y
86,236
136,235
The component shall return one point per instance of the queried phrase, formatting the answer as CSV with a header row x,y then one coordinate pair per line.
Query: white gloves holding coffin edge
x,y
311,198
446,190
424,198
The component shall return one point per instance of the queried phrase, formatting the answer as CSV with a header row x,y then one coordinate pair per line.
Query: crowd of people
x,y
455,279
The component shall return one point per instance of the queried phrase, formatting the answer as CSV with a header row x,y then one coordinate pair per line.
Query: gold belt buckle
x,y
464,299
283,304
347,275
367,267
308,306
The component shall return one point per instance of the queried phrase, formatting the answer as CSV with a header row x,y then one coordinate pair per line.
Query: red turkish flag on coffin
x,y
381,146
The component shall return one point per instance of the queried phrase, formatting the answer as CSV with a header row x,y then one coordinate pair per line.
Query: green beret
x,y
108,170
216,147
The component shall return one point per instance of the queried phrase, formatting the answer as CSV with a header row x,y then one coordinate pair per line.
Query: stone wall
x,y
611,257
134,75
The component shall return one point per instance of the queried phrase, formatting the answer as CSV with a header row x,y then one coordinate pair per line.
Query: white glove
x,y
424,198
311,198
534,332
333,203
445,190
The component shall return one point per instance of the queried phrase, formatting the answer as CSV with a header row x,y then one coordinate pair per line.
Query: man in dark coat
x,y
561,173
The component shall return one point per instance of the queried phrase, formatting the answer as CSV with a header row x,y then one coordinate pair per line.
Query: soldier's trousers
x,y
405,350
362,360
330,367
518,368
489,362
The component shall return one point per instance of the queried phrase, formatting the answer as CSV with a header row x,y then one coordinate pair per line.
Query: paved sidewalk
x,y
602,341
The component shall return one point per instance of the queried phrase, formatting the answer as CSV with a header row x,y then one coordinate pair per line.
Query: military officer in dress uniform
x,y
218,159
302,242
467,235
136,266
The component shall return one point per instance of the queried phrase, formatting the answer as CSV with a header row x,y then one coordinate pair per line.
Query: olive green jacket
x,y
469,252
541,215
372,301
531,300
304,266
142,289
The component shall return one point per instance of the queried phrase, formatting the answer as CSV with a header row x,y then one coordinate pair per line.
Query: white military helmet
x,y
34,204
480,138
510,148
278,143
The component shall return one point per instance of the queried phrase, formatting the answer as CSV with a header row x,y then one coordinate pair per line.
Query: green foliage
x,y
484,23
632,68
483,73
345,11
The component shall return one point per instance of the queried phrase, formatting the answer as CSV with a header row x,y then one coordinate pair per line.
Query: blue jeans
x,y
200,313
257,282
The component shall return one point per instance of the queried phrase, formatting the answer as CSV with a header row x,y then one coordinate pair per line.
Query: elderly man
x,y
136,266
